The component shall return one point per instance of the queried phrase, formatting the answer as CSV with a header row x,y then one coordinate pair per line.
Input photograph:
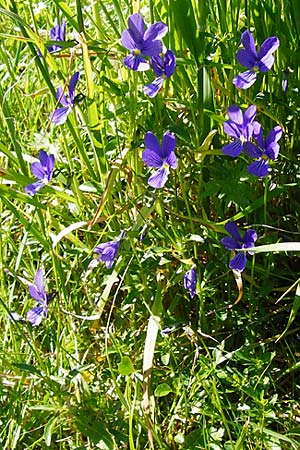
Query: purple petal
x,y
43,157
151,48
248,131
248,42
249,114
233,149
249,238
153,88
136,62
257,133
158,66
33,291
170,63
266,63
59,116
156,31
152,159
128,41
108,252
171,159
245,80
270,45
238,262
235,114
33,188
50,166
39,282
274,135
272,151
168,143
35,315
152,143
190,282
232,229
259,168
245,58
37,170
230,243
137,27
72,85
252,150
159,178
61,97
232,129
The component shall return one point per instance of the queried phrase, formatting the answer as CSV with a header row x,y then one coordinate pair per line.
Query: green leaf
x,y
293,313
125,367
162,390
49,429
27,368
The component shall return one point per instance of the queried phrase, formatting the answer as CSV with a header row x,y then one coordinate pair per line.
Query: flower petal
x,y
272,151
59,116
152,143
171,159
270,45
232,229
274,135
230,243
61,97
156,31
33,291
168,143
72,86
35,315
245,80
249,114
39,282
252,150
266,63
153,88
128,41
259,168
136,26
152,159
170,63
151,48
232,129
33,188
233,149
37,170
43,157
238,262
245,58
50,166
159,178
136,62
249,238
190,282
248,42
235,114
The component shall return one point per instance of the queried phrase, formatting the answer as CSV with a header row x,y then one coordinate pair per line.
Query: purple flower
x,y
240,127
108,252
256,62
57,33
237,242
190,281
59,116
43,171
160,157
142,42
37,291
264,150
163,68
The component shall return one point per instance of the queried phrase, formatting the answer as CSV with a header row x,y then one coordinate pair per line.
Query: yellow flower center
x,y
264,157
255,69
137,52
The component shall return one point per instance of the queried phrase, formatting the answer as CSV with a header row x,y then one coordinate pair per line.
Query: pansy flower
x,y
43,171
108,252
190,282
57,33
264,150
161,157
37,292
59,116
235,242
261,61
163,67
142,42
240,127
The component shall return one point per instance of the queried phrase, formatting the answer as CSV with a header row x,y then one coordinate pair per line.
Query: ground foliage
x,y
224,376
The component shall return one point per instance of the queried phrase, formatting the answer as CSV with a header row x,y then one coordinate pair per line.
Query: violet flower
x,y
163,67
43,171
261,61
108,252
238,262
37,291
240,127
57,33
142,42
59,116
264,150
161,157
190,282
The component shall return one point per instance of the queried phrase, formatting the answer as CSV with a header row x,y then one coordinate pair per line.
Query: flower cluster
x,y
43,171
237,242
146,44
